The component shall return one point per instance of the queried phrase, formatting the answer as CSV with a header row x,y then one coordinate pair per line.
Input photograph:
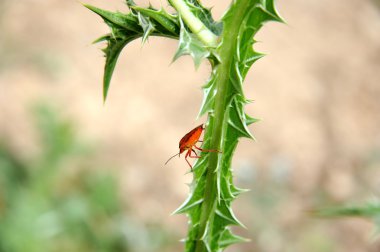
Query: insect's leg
x,y
196,156
187,155
206,150
200,141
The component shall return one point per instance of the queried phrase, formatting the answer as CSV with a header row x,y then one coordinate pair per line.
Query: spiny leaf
x,y
209,92
127,22
271,8
228,238
227,217
130,3
167,21
193,201
115,46
146,25
140,22
238,118
189,44
250,120
235,56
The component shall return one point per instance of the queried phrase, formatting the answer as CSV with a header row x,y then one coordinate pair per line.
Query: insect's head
x,y
182,149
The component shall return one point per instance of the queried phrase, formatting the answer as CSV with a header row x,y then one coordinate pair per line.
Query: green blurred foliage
x,y
58,200
368,209
275,226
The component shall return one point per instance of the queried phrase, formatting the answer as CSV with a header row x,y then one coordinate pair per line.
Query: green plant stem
x,y
195,25
226,52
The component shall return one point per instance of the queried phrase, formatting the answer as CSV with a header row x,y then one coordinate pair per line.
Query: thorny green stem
x,y
226,53
195,25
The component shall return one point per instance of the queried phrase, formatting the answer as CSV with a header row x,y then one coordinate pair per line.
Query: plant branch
x,y
226,53
194,23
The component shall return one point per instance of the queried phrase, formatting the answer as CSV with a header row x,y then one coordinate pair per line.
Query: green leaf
x,y
127,22
209,92
370,210
189,44
167,21
113,50
227,239
146,25
140,22
224,102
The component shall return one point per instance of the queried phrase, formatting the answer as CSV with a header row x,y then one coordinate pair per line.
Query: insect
x,y
188,142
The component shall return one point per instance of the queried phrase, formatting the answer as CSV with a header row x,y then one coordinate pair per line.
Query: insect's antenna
x,y
172,157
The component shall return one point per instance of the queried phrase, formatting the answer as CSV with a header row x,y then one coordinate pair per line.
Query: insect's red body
x,y
188,142
190,139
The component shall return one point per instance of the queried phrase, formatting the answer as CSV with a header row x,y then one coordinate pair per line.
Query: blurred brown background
x,y
317,93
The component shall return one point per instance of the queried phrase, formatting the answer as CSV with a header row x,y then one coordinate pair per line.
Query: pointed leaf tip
x,y
228,238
